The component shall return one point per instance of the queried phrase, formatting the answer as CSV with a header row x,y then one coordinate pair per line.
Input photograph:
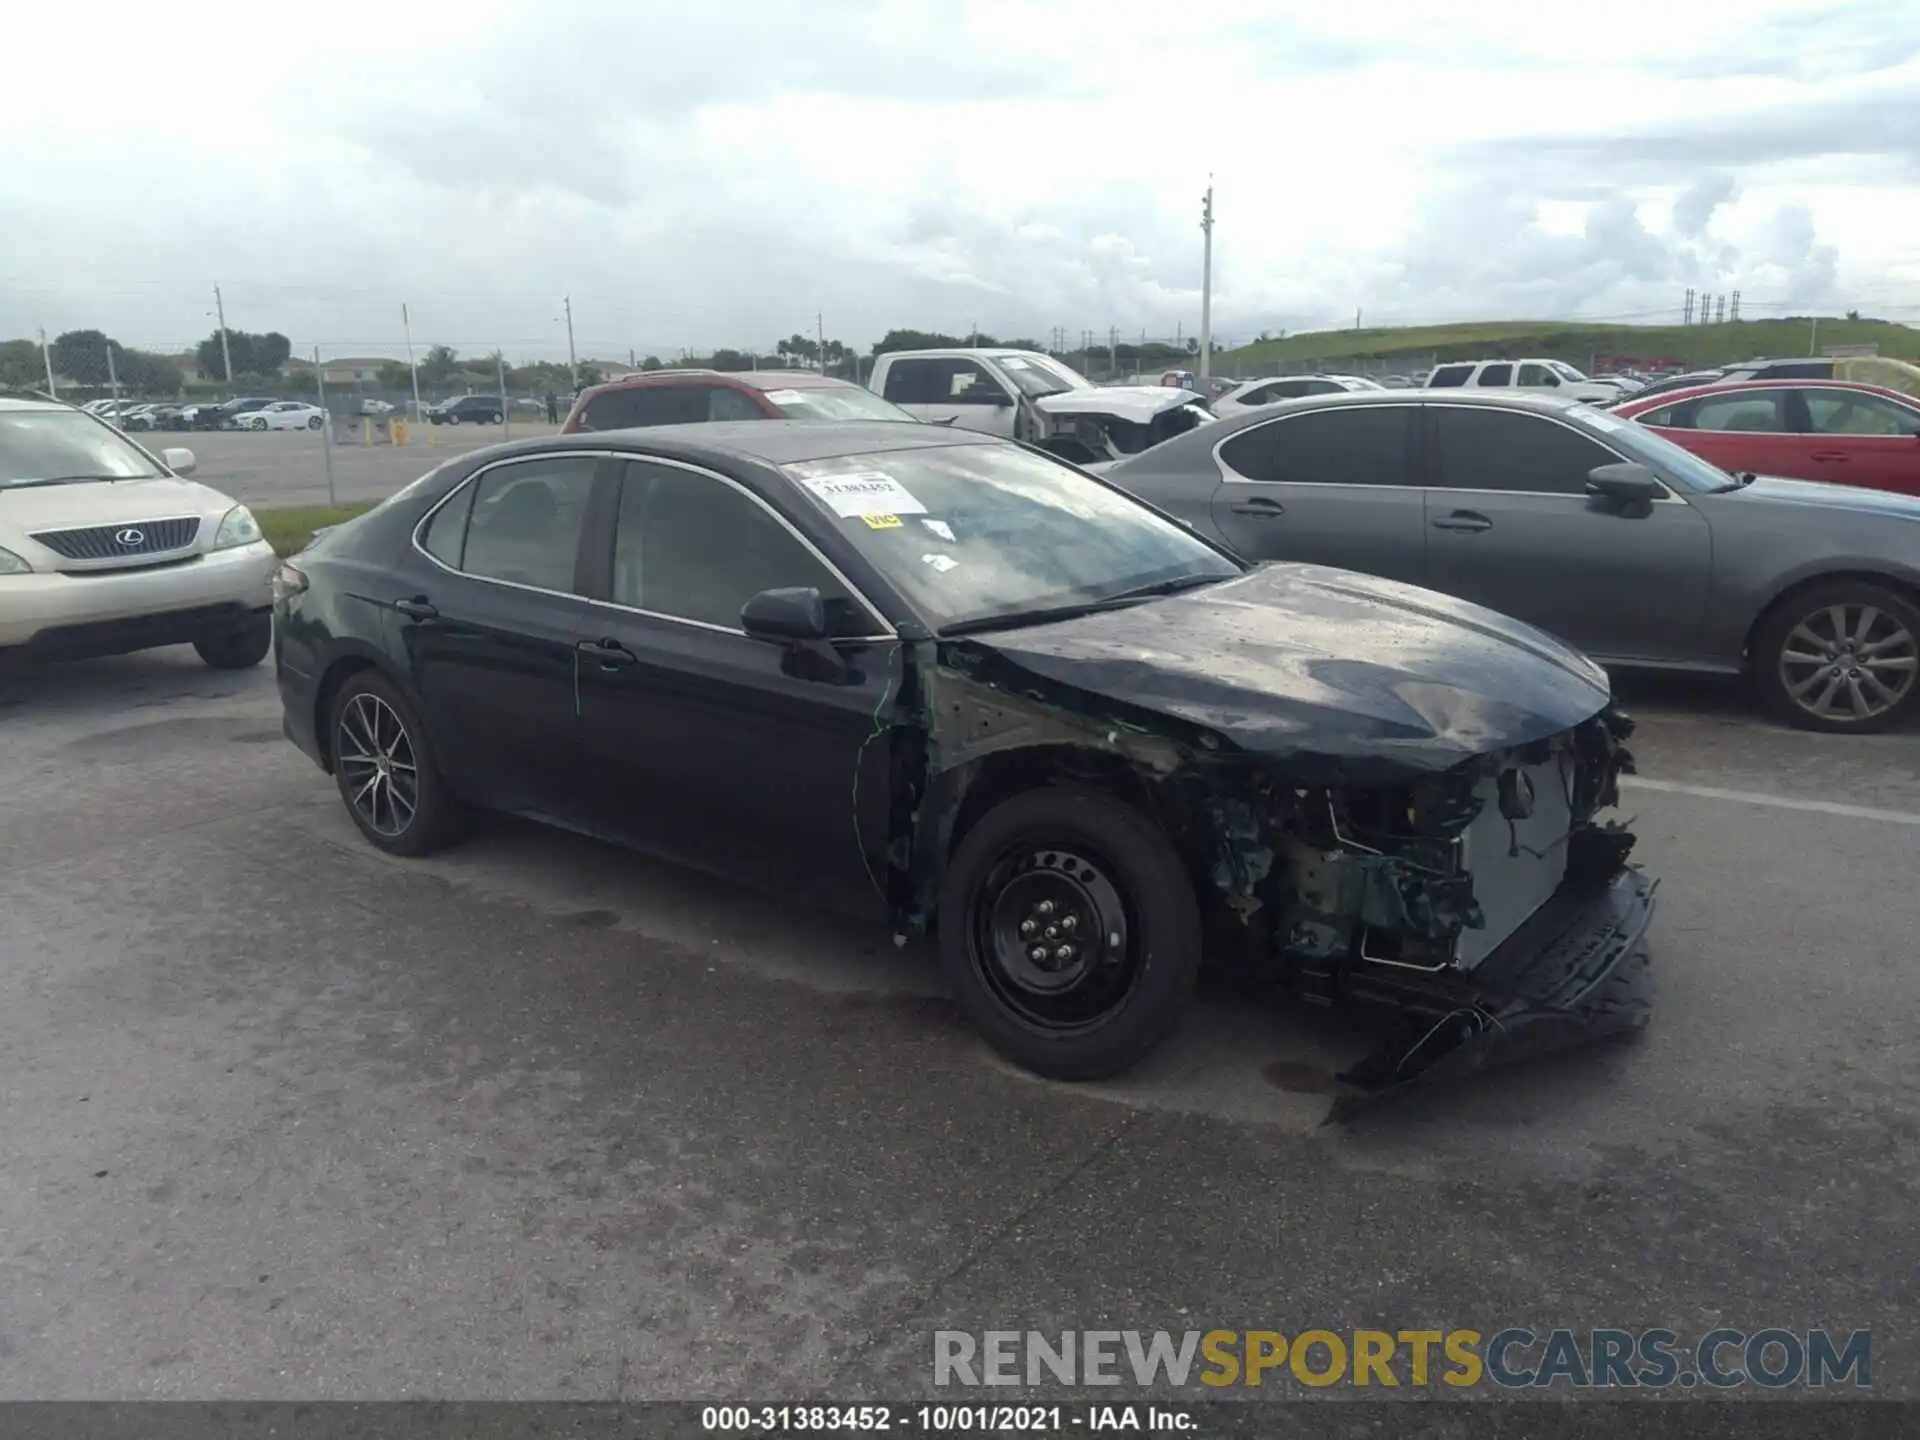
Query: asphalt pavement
x,y
285,1118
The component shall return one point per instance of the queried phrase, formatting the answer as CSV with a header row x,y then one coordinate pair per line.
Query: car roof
x,y
32,402
752,379
1737,387
771,442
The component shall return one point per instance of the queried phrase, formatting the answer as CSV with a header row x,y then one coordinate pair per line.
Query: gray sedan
x,y
1580,523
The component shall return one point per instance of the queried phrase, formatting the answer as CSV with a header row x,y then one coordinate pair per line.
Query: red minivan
x,y
1832,430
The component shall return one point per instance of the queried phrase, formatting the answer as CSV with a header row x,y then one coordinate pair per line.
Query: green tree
x,y
392,375
82,356
591,374
20,365
920,340
731,360
148,374
652,362
439,365
260,355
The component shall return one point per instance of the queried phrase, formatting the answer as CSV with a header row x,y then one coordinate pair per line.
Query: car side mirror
x,y
985,395
179,460
1627,482
787,615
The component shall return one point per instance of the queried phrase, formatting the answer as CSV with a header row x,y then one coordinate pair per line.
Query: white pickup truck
x,y
1033,397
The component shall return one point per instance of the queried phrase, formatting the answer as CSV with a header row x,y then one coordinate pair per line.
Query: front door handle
x,y
1259,508
418,608
610,654
1469,521
1829,455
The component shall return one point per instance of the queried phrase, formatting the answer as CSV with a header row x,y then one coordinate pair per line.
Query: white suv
x,y
1555,377
105,549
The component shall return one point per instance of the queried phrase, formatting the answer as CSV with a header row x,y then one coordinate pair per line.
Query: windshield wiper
x,y
1043,615
67,480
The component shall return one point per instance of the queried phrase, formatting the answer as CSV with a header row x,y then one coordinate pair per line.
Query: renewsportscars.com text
x,y
1513,1358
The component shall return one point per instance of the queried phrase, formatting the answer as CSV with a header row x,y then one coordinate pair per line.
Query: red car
x,y
1833,430
689,397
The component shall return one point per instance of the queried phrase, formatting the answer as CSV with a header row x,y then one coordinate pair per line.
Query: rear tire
x,y
313,422
495,418
384,768
1841,658
1095,891
240,648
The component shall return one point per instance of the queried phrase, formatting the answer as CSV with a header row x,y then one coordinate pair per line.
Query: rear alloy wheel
x,y
313,422
240,648
1069,932
1841,657
385,770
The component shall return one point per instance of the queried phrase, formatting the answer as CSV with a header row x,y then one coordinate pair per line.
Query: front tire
x,y
1841,657
313,422
1070,933
240,648
496,418
384,768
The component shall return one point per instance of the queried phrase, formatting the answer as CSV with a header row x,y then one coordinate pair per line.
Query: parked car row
x,y
244,412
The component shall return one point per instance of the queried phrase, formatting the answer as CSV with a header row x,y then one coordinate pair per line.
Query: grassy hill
x,y
1696,345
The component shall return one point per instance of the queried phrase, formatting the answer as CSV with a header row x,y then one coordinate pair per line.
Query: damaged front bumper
x,y
1577,970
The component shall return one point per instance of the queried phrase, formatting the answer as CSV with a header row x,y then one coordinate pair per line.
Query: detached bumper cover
x,y
1577,971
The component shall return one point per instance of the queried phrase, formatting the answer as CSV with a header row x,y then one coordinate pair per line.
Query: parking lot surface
x,y
289,467
538,1118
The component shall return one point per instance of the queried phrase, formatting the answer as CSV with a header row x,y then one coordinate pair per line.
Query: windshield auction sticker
x,y
864,492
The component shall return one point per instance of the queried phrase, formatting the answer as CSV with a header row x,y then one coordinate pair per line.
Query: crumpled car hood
x,y
1137,403
1349,677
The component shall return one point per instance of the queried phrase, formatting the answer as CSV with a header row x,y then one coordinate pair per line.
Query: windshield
x,y
1564,370
37,446
836,404
968,533
1683,467
1036,375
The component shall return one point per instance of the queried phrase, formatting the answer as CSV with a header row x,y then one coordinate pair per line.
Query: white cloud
x,y
694,178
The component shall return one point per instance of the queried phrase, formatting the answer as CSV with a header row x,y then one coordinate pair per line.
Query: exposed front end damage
x,y
1112,422
1472,908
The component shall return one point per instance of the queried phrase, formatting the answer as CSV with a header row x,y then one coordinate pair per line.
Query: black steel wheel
x,y
1069,932
383,765
1841,657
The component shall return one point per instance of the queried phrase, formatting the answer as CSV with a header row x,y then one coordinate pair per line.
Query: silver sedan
x,y
1578,522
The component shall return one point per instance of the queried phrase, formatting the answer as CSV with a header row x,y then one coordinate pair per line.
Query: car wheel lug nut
x,y
1046,907
1070,924
1038,954
1063,954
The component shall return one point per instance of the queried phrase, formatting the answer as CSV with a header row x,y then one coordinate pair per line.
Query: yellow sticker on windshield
x,y
882,522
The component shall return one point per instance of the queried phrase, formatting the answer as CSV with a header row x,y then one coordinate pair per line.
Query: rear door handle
x,y
1259,508
610,654
418,608
1470,521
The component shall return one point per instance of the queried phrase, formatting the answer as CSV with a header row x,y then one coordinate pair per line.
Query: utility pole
x,y
506,400
1813,335
1720,309
1113,348
1734,314
820,333
226,355
406,325
1356,317
573,365
1686,310
326,425
46,355
113,380
1206,282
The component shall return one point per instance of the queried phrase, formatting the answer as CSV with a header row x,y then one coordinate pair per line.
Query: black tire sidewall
x,y
434,819
1789,613
1153,884
241,648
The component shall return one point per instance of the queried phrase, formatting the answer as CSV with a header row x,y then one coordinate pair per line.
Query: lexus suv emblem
x,y
129,537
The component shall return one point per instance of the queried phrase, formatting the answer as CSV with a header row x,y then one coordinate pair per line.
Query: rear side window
x,y
526,522
1854,412
446,532
644,405
1364,445
918,382
1496,375
1484,449
1447,376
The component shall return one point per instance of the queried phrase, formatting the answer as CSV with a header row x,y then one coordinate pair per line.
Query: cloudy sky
x,y
697,176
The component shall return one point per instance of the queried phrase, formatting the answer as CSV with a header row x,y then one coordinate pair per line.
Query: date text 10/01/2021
x,y
947,1419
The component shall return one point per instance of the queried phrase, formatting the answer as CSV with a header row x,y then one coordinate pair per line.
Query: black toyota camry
x,y
983,694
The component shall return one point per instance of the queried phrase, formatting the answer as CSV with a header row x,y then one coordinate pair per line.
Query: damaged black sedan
x,y
963,685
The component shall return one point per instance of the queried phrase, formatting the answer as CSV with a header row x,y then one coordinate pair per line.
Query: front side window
x,y
726,403
975,533
1512,450
1852,412
45,447
1363,445
693,547
526,521
968,383
1757,413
